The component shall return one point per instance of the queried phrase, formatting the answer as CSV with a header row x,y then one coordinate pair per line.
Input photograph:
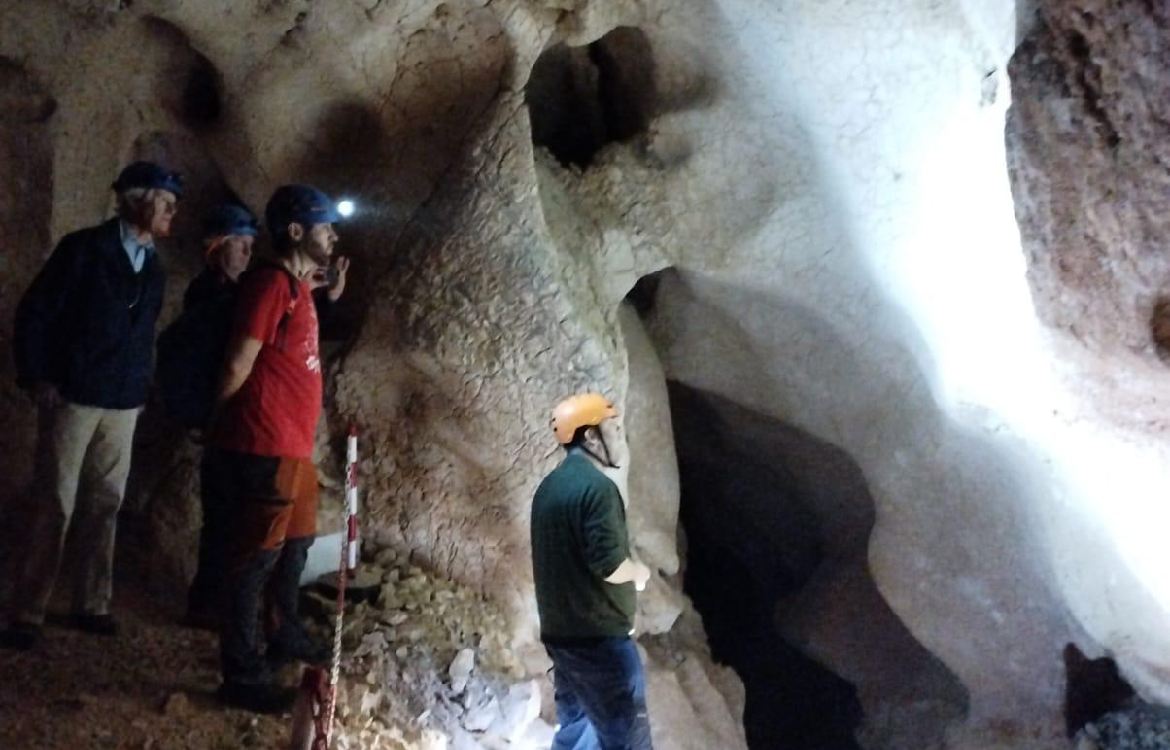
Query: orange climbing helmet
x,y
582,410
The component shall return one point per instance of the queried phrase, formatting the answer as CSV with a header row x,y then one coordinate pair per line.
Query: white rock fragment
x,y
460,670
462,740
372,643
482,715
371,701
538,736
520,708
433,739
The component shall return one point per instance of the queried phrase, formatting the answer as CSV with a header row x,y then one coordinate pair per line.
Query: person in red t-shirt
x,y
263,427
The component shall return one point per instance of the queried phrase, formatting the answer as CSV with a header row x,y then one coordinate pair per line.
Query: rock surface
x,y
467,319
1140,727
827,179
1087,153
1089,136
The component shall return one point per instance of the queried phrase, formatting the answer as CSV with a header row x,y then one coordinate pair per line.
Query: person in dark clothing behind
x,y
229,233
83,344
585,582
263,430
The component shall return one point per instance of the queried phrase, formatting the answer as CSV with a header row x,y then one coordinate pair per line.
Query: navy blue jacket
x,y
86,324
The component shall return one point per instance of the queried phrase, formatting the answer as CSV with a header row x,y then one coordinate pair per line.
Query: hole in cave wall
x,y
1160,329
187,84
752,543
1093,688
202,102
641,296
774,532
582,98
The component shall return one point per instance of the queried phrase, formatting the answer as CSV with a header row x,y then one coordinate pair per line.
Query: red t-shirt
x,y
275,412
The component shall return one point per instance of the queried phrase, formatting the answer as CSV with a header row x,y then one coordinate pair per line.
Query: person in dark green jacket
x,y
585,586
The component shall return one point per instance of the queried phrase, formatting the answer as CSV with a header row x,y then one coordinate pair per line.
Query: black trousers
x,y
205,597
266,497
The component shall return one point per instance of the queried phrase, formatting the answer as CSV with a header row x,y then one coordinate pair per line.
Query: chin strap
x,y
608,460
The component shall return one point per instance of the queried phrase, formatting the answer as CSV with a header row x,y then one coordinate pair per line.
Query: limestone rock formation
x,y
1089,155
467,319
826,181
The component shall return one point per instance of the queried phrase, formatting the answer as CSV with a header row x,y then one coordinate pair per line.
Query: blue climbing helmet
x,y
148,175
303,204
229,219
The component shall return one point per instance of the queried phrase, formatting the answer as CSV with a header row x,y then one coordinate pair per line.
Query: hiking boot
x,y
299,647
21,636
258,697
97,624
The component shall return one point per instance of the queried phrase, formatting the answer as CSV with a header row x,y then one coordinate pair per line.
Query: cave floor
x,y
150,688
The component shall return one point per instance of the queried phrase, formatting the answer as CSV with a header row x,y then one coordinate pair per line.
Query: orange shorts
x,y
273,499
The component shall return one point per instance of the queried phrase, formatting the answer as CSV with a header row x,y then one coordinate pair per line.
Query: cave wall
x,y
882,303
1089,165
828,180
1086,141
468,315
845,212
26,179
788,518
1087,145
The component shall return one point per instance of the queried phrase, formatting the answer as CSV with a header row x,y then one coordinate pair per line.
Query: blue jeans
x,y
601,696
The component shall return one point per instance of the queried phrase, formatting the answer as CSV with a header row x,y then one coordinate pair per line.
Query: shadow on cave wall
x,y
777,524
26,202
726,317
188,87
751,542
391,158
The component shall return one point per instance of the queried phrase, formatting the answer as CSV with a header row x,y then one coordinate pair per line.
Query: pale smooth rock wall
x,y
863,217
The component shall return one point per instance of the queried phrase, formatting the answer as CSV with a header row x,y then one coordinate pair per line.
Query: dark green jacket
x,y
579,538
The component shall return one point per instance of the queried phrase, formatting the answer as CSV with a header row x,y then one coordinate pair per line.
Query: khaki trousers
x,y
82,461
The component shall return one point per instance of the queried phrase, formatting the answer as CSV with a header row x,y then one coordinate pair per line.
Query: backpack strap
x,y
294,289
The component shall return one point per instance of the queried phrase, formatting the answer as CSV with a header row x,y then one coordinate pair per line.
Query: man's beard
x,y
318,254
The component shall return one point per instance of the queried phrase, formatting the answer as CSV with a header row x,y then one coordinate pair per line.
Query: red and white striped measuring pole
x,y
352,539
317,704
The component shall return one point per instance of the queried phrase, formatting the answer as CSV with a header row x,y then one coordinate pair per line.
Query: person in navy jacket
x,y
83,345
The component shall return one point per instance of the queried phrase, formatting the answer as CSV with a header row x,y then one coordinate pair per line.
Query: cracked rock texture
x,y
1090,136
469,317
